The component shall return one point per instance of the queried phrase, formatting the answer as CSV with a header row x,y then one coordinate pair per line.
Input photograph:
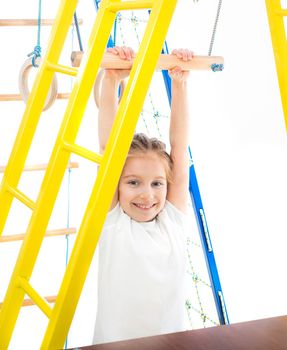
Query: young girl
x,y
142,246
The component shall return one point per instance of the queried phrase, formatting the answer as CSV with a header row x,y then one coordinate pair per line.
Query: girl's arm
x,y
179,134
108,105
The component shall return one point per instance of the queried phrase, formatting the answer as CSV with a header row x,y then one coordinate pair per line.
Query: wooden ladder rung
x,y
30,302
165,62
49,233
17,97
38,167
28,22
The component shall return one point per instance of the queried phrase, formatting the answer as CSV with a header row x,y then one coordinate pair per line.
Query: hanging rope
x,y
214,28
37,49
215,67
78,31
34,60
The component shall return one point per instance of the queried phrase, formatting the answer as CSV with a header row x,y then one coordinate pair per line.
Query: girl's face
x,y
143,186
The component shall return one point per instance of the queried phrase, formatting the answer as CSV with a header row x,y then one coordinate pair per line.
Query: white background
x,y
238,141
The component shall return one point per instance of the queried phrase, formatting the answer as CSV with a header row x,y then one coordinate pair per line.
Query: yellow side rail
x,y
111,162
279,42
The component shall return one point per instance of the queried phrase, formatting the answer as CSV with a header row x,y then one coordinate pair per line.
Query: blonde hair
x,y
144,144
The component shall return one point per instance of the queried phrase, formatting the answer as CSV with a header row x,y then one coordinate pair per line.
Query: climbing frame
x,y
111,163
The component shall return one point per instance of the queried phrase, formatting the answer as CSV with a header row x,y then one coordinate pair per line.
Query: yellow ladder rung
x,y
21,197
130,5
62,69
83,152
281,12
35,296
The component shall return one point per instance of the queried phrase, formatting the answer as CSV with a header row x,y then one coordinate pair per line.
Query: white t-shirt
x,y
141,276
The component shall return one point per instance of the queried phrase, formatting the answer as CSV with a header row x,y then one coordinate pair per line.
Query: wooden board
x,y
165,62
27,22
18,97
266,334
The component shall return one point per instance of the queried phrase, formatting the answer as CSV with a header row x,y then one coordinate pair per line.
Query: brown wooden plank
x,y
17,97
111,61
49,233
30,302
27,22
39,167
265,334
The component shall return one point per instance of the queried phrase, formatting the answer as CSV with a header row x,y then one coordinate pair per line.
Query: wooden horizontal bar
x,y
17,97
30,302
28,22
165,62
49,233
37,167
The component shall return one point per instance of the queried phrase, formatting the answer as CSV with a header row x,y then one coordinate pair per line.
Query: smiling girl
x,y
142,245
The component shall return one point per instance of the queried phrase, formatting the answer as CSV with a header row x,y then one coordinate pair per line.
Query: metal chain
x,y
214,28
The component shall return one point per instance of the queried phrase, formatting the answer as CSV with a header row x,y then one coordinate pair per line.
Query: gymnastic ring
x,y
23,84
97,87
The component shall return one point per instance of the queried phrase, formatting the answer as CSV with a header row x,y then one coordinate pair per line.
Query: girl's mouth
x,y
144,206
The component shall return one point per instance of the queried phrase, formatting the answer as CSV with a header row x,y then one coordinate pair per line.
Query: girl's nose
x,y
146,193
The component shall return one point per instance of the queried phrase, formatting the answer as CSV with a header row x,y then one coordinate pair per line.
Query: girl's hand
x,y
177,74
125,53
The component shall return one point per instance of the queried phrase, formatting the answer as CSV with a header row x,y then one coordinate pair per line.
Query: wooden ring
x,y
23,84
98,84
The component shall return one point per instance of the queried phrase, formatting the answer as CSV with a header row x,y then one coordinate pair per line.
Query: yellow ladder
x,y
111,162
278,35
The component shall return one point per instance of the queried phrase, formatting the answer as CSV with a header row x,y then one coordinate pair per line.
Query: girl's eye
x,y
133,182
157,184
